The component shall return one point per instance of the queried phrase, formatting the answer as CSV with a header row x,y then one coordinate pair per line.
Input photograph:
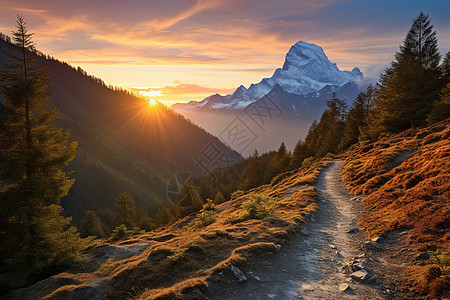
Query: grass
x,y
182,266
406,180
182,259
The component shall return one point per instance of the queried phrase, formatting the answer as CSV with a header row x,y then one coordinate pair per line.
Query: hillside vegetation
x,y
405,180
180,260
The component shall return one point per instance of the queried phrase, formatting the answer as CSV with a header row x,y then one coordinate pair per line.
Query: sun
x,y
152,101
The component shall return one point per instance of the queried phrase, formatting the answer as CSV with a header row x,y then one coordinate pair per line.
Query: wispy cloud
x,y
223,42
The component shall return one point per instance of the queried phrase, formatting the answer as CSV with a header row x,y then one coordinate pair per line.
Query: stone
x,y
376,239
360,276
238,274
312,220
372,280
344,287
358,265
353,230
305,232
254,276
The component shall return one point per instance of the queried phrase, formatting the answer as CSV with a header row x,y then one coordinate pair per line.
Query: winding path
x,y
310,267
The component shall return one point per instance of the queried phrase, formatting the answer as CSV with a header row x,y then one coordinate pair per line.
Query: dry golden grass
x,y
184,258
406,180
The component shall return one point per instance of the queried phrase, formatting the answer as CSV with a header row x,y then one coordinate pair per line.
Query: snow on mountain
x,y
306,70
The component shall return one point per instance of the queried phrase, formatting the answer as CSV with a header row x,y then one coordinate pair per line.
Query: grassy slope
x,y
185,256
406,180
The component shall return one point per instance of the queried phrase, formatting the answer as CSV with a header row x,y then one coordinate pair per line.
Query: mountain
x,y
124,145
290,100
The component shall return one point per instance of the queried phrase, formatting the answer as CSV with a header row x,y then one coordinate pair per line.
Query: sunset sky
x,y
186,50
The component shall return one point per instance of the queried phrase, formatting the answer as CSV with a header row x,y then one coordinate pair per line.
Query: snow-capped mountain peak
x,y
301,53
306,70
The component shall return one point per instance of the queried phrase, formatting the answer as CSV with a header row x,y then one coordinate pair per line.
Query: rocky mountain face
x,y
284,104
124,145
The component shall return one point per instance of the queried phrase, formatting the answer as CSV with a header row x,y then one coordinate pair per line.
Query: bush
x,y
122,231
236,194
308,162
442,259
351,166
209,205
258,206
203,219
119,232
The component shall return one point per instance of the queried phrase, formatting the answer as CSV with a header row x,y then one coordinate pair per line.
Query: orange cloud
x,y
214,42
179,92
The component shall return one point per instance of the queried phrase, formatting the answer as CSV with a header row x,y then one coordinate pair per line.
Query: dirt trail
x,y
309,267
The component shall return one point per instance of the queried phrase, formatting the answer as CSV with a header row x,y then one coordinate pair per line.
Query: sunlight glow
x,y
150,93
152,101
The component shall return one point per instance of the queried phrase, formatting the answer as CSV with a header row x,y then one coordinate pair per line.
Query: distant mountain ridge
x,y
124,145
299,90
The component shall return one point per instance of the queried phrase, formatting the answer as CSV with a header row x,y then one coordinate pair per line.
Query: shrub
x,y
122,231
442,259
351,166
308,162
258,206
206,217
203,219
209,205
119,232
236,194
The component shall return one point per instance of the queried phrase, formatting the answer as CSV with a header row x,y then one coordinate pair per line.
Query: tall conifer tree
x,y
409,87
36,239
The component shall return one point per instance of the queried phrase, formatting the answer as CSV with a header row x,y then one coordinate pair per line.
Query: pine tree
x,y
125,210
357,118
441,108
91,225
421,42
36,239
219,198
300,153
331,126
278,164
445,68
409,87
252,175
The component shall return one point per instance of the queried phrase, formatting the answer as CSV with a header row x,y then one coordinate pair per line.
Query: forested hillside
x,y
124,144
